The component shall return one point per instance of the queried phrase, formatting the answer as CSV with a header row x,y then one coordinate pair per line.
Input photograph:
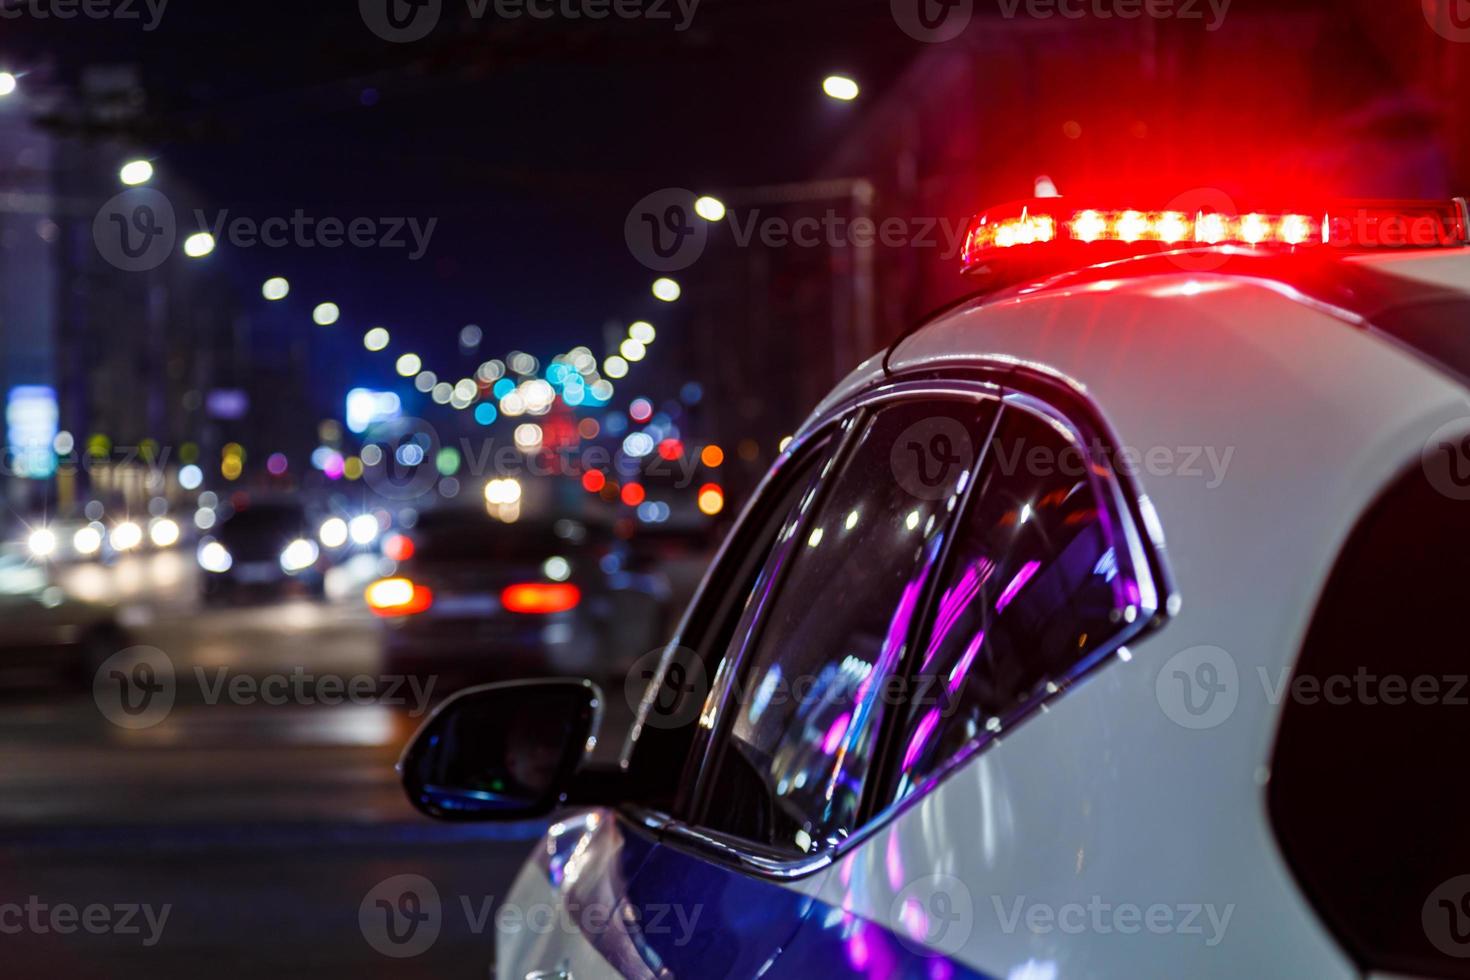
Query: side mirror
x,y
502,751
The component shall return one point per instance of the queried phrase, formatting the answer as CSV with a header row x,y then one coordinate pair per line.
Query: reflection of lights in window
x,y
815,538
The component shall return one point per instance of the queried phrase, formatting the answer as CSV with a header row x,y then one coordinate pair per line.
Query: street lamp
x,y
275,288
667,289
710,208
198,245
840,87
136,172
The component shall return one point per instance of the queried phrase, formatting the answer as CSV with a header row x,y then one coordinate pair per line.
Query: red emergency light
x,y
1052,232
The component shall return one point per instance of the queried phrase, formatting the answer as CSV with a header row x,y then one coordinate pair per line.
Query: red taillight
x,y
398,597
398,547
540,598
1033,227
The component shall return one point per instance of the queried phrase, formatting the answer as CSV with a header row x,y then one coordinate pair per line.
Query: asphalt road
x,y
258,810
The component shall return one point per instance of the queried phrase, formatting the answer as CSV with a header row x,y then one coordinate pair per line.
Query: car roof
x,y
1274,421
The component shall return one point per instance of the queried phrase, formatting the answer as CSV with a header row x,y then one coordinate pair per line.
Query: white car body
x,y
1103,837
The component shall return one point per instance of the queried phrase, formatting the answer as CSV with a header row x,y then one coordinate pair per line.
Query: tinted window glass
x,y
1035,587
811,687
665,735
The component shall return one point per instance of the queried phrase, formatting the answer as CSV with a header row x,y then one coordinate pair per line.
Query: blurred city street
x,y
263,825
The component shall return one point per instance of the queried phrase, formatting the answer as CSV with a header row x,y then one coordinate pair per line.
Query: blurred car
x,y
947,706
47,636
262,551
476,599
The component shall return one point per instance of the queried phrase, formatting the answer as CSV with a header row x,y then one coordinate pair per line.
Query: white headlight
x,y
299,554
87,540
42,542
364,529
333,532
126,536
164,532
215,557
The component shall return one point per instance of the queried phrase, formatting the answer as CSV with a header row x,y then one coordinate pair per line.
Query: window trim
x,y
1012,383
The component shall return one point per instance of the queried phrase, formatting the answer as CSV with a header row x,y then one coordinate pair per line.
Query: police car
x,y
1110,624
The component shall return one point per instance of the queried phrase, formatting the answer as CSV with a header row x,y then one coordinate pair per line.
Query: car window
x,y
801,710
1037,586
672,693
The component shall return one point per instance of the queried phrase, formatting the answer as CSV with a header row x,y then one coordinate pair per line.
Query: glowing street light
x,y
136,172
198,245
409,365
643,332
667,289
710,208
326,314
840,87
7,83
376,339
275,288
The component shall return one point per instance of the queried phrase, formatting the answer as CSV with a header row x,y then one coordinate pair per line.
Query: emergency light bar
x,y
1049,232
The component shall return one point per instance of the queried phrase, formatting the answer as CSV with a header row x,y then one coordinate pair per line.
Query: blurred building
x,y
1356,99
27,299
149,369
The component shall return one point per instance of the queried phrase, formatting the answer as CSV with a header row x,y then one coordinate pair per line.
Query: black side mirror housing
x,y
502,752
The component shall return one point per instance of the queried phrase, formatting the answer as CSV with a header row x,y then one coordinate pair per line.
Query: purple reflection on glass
x,y
922,731
1017,584
954,602
961,669
833,738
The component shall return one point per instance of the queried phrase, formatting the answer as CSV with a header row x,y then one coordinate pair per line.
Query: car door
x,y
787,732
1044,578
578,878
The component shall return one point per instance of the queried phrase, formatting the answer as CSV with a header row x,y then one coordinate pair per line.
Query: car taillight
x,y
540,598
1049,225
398,597
398,547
